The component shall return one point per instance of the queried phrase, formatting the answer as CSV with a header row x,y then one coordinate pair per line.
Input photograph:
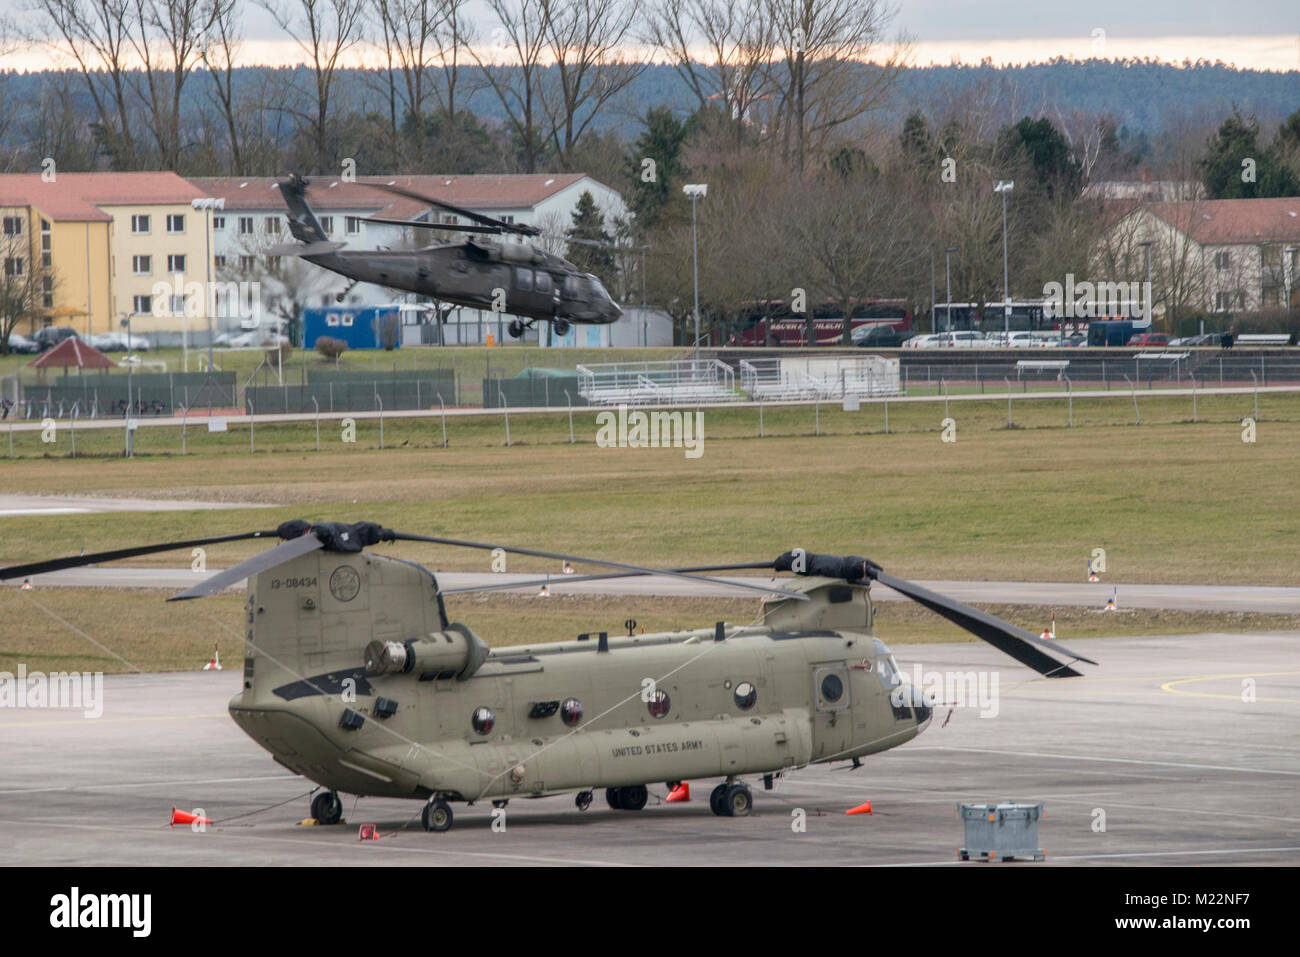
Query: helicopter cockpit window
x,y
572,288
746,695
886,666
543,282
483,720
524,279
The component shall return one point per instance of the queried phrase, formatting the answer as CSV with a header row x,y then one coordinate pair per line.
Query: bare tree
x,y
325,30
219,51
167,38
97,35
821,69
738,37
25,284
515,68
583,39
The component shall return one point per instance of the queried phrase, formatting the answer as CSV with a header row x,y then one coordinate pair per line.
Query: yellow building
x,y
116,244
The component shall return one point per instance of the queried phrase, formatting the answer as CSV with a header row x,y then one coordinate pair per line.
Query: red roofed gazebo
x,y
73,352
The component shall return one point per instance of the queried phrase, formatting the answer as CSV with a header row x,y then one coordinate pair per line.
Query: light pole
x,y
1005,186
696,191
933,310
130,366
209,205
1288,272
1146,311
947,271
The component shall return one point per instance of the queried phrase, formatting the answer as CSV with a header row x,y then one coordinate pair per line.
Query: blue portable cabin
x,y
361,327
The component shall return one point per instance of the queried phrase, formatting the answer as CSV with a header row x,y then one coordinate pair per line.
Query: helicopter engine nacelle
x,y
454,653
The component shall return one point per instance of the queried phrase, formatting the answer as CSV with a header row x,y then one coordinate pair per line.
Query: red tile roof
x,y
323,193
80,197
73,352
486,191
1235,221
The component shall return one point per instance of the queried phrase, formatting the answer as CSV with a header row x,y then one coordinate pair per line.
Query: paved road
x,y
1184,597
12,505
1157,737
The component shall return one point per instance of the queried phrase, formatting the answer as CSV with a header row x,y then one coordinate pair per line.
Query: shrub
x,y
330,347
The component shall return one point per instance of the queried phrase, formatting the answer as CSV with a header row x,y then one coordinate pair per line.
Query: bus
x,y
1027,315
790,329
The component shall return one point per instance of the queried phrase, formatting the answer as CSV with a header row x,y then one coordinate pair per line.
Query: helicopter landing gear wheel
x,y
612,796
716,798
737,801
633,798
437,816
516,328
561,327
327,808
583,800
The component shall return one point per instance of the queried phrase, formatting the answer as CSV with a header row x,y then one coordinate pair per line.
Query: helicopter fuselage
x,y
355,680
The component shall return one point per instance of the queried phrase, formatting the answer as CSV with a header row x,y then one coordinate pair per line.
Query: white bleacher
x,y
682,382
826,377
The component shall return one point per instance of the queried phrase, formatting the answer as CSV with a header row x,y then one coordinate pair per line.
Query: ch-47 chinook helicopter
x,y
518,278
355,678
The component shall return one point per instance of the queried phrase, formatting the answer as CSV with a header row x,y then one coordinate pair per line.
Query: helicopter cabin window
x,y
542,282
483,720
832,688
658,704
524,279
746,695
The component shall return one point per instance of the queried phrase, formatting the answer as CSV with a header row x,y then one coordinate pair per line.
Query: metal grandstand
x,y
827,377
681,382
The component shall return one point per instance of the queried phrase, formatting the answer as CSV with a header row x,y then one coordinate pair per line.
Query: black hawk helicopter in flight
x,y
355,678
518,278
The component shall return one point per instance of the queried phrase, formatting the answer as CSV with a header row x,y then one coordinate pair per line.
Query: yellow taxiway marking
x,y
1169,685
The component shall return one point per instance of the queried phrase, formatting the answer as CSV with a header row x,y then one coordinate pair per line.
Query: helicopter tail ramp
x,y
303,223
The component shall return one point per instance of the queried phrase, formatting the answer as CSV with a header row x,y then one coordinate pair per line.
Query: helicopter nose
x,y
923,709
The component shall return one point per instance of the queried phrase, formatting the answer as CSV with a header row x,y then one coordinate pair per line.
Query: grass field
x,y
1169,501
101,629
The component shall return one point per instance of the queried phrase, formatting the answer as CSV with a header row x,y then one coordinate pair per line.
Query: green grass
x,y
1170,501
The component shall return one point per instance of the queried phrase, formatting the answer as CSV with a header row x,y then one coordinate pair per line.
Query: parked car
x,y
880,336
923,342
1074,340
1206,339
21,345
1148,339
51,336
967,339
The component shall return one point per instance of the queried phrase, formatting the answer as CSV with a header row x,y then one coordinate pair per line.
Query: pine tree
x,y
588,230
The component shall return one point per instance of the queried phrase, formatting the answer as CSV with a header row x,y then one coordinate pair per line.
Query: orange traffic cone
x,y
1110,602
367,832
680,793
545,592
860,809
183,817
214,663
568,568
27,584
1092,577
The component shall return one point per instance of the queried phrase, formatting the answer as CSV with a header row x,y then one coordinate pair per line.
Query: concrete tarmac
x,y
1157,741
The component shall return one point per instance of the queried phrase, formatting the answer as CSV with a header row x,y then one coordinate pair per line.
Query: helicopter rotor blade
x,y
1028,649
607,576
466,228
635,569
516,228
76,561
251,566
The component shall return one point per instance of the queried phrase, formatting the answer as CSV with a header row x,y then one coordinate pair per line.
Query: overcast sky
x,y
1262,34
